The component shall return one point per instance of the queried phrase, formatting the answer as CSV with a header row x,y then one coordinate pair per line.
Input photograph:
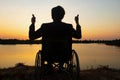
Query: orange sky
x,y
100,19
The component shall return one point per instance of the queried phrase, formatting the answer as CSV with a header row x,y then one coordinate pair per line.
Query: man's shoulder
x,y
47,23
68,25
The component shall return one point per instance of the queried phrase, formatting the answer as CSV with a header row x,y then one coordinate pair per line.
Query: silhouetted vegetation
x,y
113,42
16,41
107,42
25,72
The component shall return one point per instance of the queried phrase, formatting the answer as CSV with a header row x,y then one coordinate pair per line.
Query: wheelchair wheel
x,y
75,67
71,69
38,66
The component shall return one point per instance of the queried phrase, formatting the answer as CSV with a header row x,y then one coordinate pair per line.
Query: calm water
x,y
90,55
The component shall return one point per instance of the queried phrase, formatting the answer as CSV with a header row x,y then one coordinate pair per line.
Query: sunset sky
x,y
100,19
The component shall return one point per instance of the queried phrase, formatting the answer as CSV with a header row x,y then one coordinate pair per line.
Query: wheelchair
x,y
69,71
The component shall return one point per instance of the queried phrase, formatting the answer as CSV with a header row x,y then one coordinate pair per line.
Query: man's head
x,y
58,13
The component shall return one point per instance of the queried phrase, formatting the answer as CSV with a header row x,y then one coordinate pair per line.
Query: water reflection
x,y
12,54
89,54
92,55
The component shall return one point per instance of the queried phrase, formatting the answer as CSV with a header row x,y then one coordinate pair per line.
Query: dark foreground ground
x,y
24,72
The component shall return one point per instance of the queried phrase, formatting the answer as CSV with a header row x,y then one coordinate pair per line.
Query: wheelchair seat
x,y
58,50
54,56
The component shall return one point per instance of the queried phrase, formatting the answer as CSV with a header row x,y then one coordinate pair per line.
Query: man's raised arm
x,y
77,33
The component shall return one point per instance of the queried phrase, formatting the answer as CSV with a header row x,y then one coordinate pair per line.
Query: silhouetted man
x,y
56,36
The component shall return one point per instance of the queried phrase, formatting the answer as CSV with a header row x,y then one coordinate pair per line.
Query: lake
x,y
90,55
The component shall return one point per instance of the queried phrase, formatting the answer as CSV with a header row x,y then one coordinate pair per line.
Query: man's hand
x,y
77,19
33,19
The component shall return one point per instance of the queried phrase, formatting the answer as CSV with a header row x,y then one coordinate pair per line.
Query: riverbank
x,y
25,72
16,41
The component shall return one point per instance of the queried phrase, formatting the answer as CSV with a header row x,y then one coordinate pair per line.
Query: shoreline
x,y
16,41
26,72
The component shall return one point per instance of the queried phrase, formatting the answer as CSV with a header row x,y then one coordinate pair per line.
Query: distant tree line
x,y
16,41
107,42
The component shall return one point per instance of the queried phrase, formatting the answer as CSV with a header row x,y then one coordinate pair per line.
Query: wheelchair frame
x,y
71,68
